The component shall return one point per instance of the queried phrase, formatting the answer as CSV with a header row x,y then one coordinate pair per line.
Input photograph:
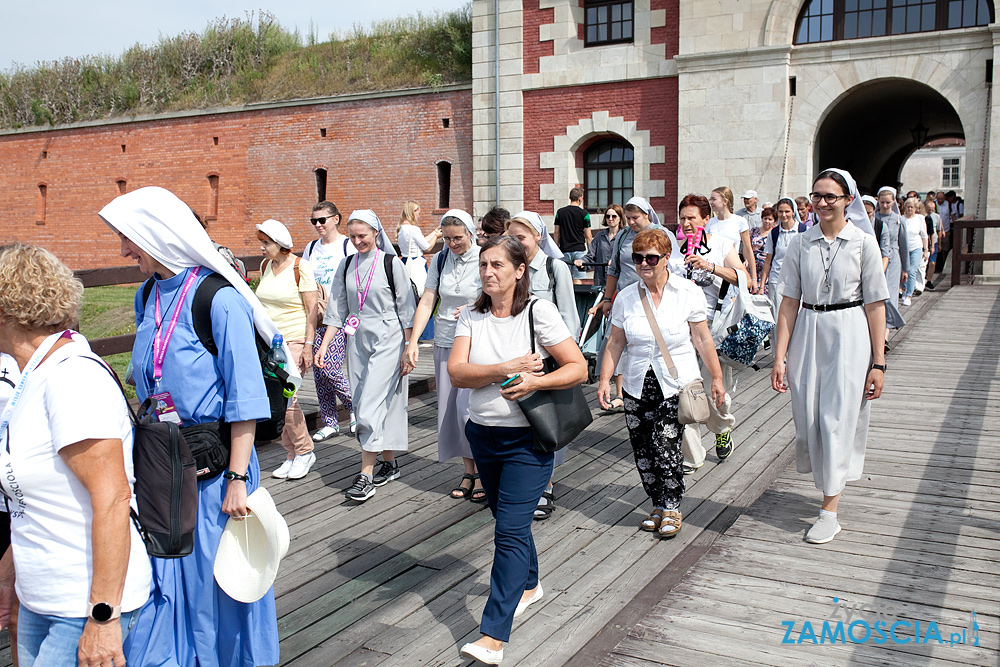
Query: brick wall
x,y
651,103
670,33
532,17
377,153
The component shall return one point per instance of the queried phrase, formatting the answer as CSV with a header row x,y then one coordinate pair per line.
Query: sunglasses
x,y
651,260
611,216
320,221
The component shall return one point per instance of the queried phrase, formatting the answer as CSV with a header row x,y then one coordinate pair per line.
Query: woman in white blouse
x,y
651,392
413,244
731,226
916,245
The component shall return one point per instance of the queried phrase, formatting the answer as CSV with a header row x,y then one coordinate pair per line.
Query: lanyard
x,y
32,364
160,345
363,295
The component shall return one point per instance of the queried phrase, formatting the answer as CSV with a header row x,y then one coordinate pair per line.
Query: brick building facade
x,y
240,167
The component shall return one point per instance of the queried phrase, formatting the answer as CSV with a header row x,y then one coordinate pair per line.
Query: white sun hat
x,y
246,563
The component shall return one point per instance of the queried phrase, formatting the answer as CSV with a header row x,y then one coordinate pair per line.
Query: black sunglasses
x,y
320,221
651,260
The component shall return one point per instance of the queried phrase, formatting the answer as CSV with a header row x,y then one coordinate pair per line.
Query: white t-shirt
x,y
9,375
412,243
682,302
496,340
916,229
68,398
325,258
730,228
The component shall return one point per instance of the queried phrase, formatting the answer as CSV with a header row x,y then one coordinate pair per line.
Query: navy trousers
x,y
514,476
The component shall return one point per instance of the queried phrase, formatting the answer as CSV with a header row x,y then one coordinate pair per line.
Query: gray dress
x,y
893,238
374,352
829,354
457,285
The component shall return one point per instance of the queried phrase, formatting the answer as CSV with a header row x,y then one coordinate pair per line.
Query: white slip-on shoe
x,y
301,465
282,471
522,606
482,654
824,530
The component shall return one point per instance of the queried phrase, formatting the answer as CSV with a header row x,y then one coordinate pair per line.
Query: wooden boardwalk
x,y
402,579
920,539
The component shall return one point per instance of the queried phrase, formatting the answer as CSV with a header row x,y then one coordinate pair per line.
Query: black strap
x,y
552,280
442,256
201,307
531,323
387,264
309,248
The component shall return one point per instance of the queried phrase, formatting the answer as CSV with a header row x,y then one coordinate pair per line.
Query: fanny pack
x,y
209,444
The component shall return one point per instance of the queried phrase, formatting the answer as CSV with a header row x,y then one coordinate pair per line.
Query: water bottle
x,y
277,351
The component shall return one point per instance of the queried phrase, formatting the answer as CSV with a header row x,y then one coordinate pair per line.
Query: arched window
x,y
608,174
831,20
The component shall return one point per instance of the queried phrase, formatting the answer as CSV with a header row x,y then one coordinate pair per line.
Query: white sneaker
x,y
325,432
522,606
282,471
907,301
482,654
300,465
824,530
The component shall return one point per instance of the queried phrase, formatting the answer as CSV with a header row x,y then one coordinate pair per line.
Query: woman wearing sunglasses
x,y
602,246
713,261
651,391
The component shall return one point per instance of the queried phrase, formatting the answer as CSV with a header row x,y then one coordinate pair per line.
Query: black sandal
x,y
478,495
465,493
546,505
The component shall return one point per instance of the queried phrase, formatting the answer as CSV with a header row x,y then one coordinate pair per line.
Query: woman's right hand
x,y
604,394
778,381
606,306
318,360
410,357
529,363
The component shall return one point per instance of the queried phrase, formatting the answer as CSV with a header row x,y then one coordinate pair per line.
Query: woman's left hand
x,y
305,359
874,384
101,644
698,262
718,391
235,504
529,383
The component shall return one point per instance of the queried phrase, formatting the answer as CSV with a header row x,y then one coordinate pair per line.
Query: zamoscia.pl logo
x,y
861,623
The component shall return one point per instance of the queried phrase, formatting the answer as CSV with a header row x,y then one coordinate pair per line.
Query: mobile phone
x,y
511,382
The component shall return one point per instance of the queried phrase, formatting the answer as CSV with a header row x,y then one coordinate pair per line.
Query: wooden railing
x,y
125,275
959,245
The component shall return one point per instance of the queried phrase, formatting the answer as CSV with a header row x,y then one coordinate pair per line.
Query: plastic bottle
x,y
277,351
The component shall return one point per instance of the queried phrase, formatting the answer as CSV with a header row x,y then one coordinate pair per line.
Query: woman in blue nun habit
x,y
189,620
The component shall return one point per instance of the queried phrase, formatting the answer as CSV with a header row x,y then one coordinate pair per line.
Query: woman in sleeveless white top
x,y
413,244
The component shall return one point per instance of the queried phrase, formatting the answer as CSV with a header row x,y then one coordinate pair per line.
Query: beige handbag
x,y
692,404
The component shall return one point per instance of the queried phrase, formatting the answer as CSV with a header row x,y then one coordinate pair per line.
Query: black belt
x,y
824,307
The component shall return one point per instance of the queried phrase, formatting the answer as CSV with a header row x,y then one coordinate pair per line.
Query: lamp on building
x,y
918,131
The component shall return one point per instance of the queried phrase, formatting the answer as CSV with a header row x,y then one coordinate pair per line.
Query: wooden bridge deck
x,y
402,579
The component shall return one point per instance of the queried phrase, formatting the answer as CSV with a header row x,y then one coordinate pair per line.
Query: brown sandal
x,y
670,525
651,524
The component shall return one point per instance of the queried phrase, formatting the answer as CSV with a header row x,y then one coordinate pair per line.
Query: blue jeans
x,y
911,275
52,640
572,256
514,476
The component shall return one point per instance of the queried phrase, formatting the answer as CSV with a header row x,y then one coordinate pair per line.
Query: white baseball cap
x,y
277,231
750,194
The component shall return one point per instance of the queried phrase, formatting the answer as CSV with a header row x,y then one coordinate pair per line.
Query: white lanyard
x,y
32,364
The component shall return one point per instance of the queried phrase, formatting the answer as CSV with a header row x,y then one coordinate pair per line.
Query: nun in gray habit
x,y
892,242
377,323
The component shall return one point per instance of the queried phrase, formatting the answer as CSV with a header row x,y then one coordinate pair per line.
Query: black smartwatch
x,y
102,612
878,367
229,474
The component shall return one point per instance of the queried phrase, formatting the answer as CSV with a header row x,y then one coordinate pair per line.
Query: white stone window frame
x,y
562,160
951,176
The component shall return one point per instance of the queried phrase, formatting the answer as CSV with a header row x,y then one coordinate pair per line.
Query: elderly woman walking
x,y
835,360
371,301
676,307
493,345
82,572
452,284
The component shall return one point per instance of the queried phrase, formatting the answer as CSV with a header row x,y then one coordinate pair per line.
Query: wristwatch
x,y
878,367
102,612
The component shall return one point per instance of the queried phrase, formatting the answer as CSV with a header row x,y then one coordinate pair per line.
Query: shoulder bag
x,y
556,416
692,403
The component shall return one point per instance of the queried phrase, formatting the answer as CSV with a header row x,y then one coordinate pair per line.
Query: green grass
x,y
108,311
235,61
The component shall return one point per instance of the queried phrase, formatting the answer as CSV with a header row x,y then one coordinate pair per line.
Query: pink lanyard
x,y
160,346
363,295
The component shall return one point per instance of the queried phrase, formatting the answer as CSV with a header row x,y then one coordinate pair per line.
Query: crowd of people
x,y
352,309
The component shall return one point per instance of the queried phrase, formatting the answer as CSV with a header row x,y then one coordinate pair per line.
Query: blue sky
x,y
30,32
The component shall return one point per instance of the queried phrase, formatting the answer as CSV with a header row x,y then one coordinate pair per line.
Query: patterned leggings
x,y
656,438
331,382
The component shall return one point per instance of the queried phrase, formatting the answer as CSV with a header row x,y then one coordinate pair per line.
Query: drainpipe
x,y
496,95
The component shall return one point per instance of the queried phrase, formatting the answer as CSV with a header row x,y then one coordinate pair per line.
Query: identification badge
x,y
164,408
351,325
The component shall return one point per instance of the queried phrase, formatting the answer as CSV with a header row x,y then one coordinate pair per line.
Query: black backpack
x,y
166,484
275,377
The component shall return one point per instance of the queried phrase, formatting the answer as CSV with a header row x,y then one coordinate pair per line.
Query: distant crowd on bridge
x,y
517,318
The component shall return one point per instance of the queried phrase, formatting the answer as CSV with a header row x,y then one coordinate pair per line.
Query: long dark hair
x,y
515,255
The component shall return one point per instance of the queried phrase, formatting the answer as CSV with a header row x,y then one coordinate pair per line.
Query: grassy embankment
x,y
107,311
238,61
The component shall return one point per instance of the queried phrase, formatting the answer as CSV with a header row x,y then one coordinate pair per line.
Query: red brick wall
x,y
531,18
651,103
378,153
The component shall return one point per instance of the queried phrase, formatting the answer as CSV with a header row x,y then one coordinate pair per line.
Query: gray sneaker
x,y
824,530
362,489
386,473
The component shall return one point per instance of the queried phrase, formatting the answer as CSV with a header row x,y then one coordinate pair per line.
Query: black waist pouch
x,y
209,444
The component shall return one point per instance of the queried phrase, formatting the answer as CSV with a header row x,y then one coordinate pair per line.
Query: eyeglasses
x,y
829,197
651,260
453,239
320,221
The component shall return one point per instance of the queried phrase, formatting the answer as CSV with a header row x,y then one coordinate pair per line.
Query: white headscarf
x,y
855,211
164,227
367,216
644,205
895,204
795,210
464,217
546,243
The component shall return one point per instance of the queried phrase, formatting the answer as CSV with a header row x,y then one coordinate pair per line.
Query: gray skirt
x,y
453,410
